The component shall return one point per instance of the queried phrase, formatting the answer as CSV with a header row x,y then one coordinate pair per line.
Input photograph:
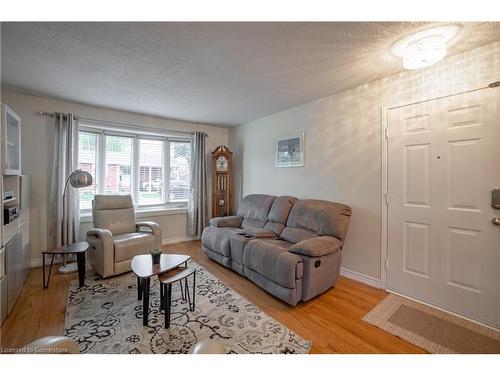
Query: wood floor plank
x,y
332,321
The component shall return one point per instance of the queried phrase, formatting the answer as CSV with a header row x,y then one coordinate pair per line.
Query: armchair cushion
x,y
128,245
317,246
114,212
226,222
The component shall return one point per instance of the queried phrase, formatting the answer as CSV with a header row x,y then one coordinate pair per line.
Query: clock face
x,y
221,164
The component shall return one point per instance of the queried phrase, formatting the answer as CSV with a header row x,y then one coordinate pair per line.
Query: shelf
x,y
9,200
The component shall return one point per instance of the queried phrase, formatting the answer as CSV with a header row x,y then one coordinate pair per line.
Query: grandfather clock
x,y
222,186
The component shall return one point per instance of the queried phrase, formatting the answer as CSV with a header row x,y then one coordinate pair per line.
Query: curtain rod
x,y
52,114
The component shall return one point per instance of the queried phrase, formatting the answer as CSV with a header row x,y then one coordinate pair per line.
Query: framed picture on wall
x,y
290,151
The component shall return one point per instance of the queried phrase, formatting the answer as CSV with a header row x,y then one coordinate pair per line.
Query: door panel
x,y
417,248
464,157
443,161
417,174
464,259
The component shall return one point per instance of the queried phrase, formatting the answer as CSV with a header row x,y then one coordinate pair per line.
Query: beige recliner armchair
x,y
116,238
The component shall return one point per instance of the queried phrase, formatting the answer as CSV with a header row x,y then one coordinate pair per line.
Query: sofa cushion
x,y
319,217
254,210
278,214
128,245
217,239
114,212
271,259
295,235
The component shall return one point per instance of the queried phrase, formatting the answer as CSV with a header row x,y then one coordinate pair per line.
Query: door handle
x,y
496,220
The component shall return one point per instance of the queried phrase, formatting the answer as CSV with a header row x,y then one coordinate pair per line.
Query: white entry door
x,y
443,162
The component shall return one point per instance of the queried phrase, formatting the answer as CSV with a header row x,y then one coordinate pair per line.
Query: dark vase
x,y
156,258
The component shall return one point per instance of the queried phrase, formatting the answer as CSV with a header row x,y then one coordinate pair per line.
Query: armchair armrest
x,y
101,253
103,234
317,246
153,227
226,221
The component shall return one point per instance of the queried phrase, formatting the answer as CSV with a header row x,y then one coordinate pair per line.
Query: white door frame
x,y
384,139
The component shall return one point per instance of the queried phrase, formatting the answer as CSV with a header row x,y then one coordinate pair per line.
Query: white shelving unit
x,y
14,236
11,141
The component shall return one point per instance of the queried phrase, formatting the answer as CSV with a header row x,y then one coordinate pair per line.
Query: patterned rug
x,y
105,317
431,329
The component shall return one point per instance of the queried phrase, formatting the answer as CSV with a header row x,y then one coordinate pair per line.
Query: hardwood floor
x,y
332,321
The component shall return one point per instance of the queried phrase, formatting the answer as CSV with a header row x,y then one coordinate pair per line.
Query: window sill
x,y
144,213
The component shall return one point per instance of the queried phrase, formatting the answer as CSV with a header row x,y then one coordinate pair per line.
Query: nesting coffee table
x,y
143,267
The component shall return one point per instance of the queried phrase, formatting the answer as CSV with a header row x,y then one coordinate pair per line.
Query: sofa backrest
x,y
278,214
254,209
114,213
310,218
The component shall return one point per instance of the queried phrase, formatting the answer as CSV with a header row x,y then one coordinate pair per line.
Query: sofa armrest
x,y
226,221
317,246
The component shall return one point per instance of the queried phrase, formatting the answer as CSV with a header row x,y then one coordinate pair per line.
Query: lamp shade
x,y
79,179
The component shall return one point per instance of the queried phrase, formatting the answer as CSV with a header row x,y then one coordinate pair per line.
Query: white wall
x,y
343,146
37,145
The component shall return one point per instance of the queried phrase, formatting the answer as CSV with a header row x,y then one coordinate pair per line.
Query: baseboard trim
x,y
361,277
172,240
34,263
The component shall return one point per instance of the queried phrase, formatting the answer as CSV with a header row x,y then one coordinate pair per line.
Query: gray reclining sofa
x,y
289,247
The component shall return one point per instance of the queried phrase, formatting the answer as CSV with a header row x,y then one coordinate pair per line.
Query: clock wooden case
x,y
222,186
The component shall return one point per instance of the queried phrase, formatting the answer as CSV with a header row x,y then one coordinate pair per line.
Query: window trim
x,y
101,132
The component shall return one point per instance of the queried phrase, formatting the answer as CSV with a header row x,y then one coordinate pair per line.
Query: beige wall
x,y
37,138
343,146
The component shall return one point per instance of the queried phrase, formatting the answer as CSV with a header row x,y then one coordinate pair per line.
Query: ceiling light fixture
x,y
424,48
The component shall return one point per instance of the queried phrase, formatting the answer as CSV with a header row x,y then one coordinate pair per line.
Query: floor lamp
x,y
77,179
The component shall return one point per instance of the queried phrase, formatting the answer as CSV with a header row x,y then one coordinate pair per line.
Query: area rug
x,y
433,330
105,316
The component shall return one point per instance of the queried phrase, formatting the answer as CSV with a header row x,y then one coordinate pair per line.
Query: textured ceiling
x,y
217,73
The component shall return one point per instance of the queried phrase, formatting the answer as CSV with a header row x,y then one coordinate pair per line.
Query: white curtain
x,y
64,227
198,204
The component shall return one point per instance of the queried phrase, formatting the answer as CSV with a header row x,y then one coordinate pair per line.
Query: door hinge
x,y
386,130
386,195
494,84
386,263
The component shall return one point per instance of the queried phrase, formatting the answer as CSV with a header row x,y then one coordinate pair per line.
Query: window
x,y
118,165
154,170
151,172
180,156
